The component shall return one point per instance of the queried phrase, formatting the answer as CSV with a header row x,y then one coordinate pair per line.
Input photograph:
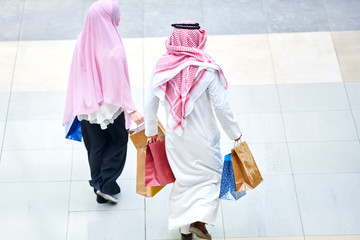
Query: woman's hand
x,y
137,117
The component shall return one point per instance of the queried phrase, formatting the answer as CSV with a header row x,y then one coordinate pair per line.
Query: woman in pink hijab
x,y
99,95
191,86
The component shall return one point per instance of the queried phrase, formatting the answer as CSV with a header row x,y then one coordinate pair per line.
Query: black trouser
x,y
106,153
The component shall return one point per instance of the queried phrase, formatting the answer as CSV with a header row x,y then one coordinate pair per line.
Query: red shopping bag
x,y
157,168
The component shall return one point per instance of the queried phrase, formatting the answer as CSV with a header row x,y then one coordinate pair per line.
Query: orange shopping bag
x,y
246,173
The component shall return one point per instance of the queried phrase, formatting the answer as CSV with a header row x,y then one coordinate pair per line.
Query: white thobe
x,y
195,156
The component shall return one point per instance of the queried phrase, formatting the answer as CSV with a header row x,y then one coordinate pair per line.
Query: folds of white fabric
x,y
195,156
106,115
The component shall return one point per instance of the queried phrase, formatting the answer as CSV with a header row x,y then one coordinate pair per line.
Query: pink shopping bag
x,y
157,168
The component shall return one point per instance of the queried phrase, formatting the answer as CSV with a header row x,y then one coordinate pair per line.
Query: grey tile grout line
x,y
267,175
143,53
73,150
12,78
341,72
249,142
346,92
326,15
143,90
39,149
310,141
266,18
57,181
295,111
286,141
223,223
105,210
70,186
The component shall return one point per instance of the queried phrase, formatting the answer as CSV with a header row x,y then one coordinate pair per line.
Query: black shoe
x,y
100,199
186,236
111,198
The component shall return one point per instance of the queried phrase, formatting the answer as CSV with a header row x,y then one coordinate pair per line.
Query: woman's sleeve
x,y
217,94
150,112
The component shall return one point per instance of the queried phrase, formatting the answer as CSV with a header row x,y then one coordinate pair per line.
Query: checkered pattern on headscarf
x,y
183,45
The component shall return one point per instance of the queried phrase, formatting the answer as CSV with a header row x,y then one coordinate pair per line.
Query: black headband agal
x,y
186,25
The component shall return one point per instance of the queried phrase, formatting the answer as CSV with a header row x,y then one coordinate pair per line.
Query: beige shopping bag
x,y
246,173
139,139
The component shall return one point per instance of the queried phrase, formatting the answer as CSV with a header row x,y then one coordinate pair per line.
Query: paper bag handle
x,y
236,143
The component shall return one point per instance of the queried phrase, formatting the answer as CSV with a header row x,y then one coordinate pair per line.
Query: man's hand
x,y
152,139
239,138
137,117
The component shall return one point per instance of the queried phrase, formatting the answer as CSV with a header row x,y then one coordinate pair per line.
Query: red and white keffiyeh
x,y
178,76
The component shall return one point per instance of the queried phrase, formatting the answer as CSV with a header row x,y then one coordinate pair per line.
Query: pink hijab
x,y
182,46
99,71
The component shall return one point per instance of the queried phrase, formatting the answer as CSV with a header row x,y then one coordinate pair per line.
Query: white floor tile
x,y
349,68
79,145
34,211
319,126
38,70
346,43
261,127
83,197
35,135
37,105
2,130
138,95
39,165
109,225
7,64
153,49
253,98
134,48
329,203
304,57
356,114
129,171
337,237
325,157
271,158
4,103
80,165
318,97
249,60
353,92
271,209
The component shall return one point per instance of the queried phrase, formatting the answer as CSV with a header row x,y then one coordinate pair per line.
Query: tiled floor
x,y
294,86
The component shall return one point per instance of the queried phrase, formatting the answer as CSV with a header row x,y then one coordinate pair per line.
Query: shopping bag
x,y
157,168
140,176
138,137
73,130
139,140
246,173
227,187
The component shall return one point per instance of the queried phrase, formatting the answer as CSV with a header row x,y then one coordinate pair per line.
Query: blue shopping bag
x,y
73,130
227,187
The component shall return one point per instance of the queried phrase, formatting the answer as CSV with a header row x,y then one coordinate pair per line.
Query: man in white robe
x,y
192,87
